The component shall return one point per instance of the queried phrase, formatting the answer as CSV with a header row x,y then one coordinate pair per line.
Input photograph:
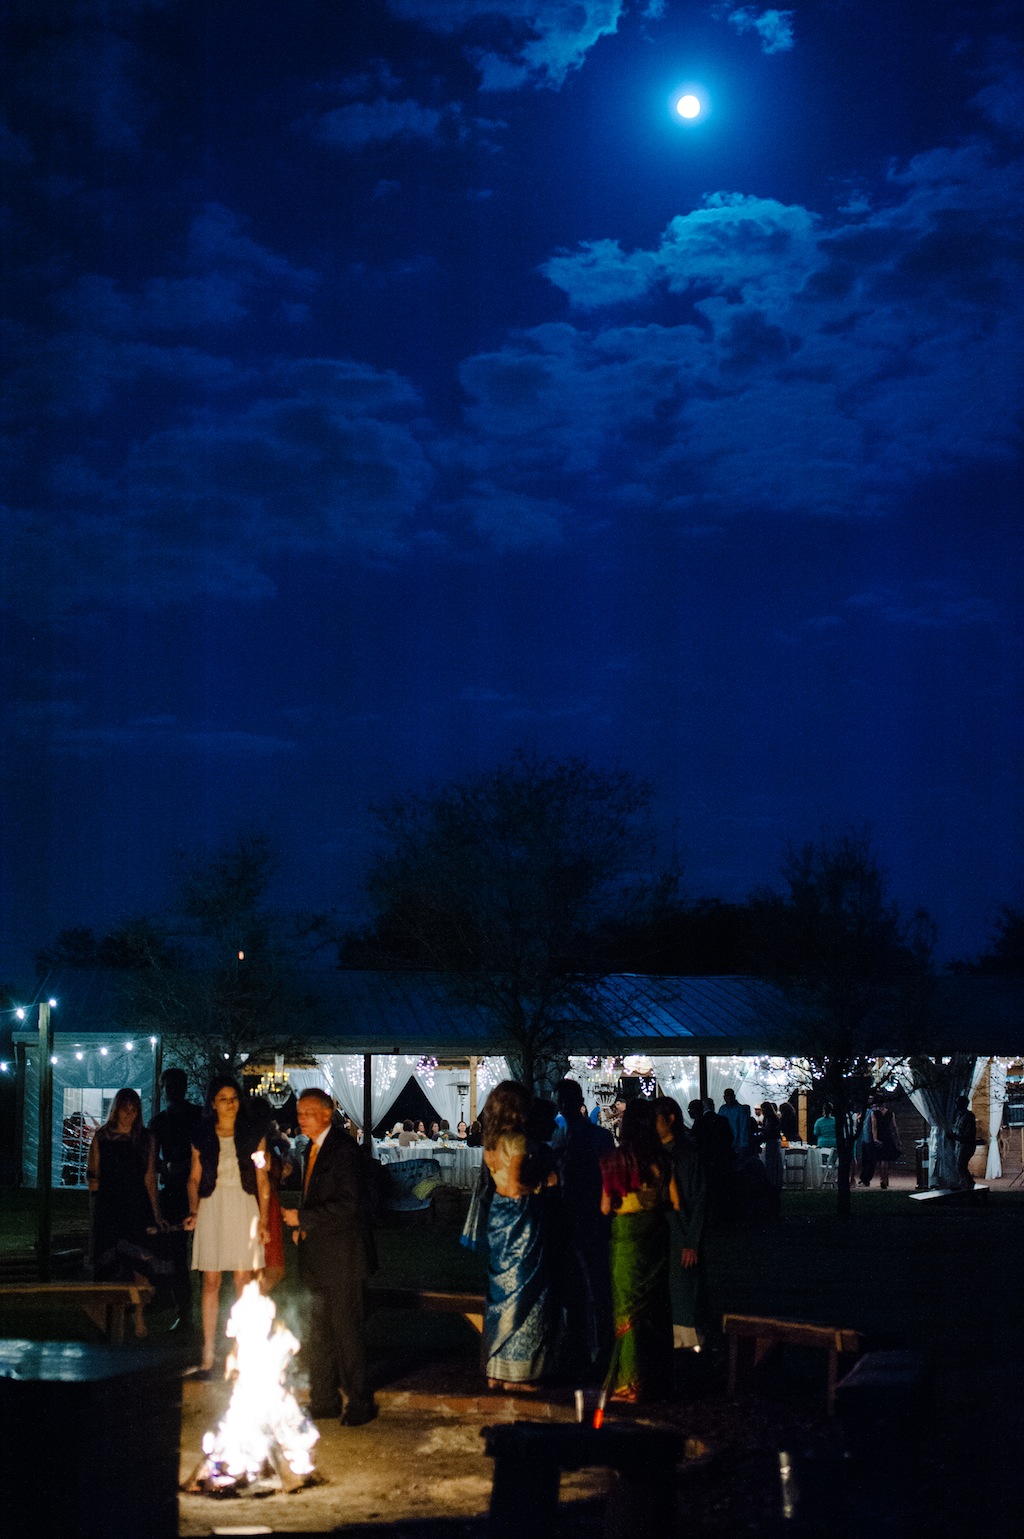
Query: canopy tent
x,y
407,1021
88,1071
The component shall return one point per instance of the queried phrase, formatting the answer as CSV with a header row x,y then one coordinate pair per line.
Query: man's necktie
x,y
314,1150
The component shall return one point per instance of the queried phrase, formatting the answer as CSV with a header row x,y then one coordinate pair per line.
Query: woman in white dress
x,y
228,1199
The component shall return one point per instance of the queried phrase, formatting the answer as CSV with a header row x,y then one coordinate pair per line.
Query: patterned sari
x,y
641,1363
519,1324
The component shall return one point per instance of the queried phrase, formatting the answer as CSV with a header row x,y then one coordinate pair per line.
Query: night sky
x,y
392,385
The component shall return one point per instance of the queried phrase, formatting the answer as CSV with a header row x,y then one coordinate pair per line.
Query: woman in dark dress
x,y
770,1138
886,1140
122,1179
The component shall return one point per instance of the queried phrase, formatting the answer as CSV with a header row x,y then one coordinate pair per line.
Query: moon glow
x,y
688,106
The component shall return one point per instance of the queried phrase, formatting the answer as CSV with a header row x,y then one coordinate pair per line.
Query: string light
x,y
129,1046
53,1058
79,1056
52,1004
425,1069
3,1066
20,1013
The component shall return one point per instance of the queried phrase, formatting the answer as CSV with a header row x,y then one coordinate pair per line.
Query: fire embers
x,y
264,1442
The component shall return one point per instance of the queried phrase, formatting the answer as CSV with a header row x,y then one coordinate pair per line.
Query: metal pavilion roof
x,y
416,1012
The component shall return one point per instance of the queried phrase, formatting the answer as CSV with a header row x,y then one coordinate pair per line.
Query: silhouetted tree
x,y
703,937
1004,955
216,976
853,970
131,944
502,881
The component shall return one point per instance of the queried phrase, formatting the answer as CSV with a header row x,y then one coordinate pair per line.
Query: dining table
x,y
460,1165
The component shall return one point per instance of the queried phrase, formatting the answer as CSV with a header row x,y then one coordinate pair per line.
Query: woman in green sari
x,y
639,1192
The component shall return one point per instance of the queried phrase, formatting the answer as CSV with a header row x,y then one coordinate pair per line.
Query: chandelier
x,y
275,1086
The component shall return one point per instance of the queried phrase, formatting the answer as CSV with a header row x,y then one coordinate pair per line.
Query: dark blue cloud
x,y
519,42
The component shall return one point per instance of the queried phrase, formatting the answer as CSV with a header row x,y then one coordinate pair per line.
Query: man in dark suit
x,y
332,1230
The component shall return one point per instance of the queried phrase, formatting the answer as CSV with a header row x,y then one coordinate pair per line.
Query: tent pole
x,y
44,1169
472,1089
158,1073
702,1077
368,1105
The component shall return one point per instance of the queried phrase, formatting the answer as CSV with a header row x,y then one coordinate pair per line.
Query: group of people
x,y
215,1173
594,1248
408,1132
596,1244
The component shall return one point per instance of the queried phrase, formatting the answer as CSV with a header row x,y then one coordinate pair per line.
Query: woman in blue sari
x,y
520,1324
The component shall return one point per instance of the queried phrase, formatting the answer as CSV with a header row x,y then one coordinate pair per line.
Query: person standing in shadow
x,y
587,1232
174,1130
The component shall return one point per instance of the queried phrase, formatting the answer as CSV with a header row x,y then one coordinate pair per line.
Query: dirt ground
x,y
423,1457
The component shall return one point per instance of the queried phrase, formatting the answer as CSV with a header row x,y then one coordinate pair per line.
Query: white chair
x,y
794,1172
829,1168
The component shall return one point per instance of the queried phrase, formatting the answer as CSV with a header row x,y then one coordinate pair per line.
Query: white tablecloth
x,y
459,1166
813,1167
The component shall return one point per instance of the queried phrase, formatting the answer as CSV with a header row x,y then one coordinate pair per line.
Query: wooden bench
x,y
767,1332
104,1303
469,1305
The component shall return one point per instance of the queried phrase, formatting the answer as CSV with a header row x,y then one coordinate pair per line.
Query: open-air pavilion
x,y
369,1032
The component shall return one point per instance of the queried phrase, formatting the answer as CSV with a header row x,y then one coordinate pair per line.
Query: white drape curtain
x,y
996,1103
489,1072
443,1095
341,1075
752,1080
935,1105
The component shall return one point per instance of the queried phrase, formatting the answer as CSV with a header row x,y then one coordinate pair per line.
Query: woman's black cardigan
x,y
247,1138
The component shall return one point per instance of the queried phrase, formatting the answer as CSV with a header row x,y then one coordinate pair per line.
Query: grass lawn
x,y
944,1279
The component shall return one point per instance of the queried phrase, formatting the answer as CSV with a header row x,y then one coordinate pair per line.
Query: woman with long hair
x,y
686,1223
639,1190
770,1138
885,1135
122,1178
229,1201
279,1168
520,1326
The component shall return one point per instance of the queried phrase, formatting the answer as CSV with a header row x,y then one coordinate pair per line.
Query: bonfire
x,y
264,1441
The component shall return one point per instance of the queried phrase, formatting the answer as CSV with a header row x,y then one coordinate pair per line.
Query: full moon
x,y
688,106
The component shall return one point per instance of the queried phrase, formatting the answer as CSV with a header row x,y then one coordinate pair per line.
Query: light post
x,y
44,1166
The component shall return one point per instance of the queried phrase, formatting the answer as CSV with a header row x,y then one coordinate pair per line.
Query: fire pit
x,y
263,1443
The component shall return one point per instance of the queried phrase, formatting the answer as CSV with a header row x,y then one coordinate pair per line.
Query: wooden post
x,y
368,1105
801,1114
158,1070
472,1089
44,1167
702,1077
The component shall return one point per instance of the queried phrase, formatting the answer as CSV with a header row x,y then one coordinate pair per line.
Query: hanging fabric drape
x,y
489,1072
444,1096
343,1079
936,1103
996,1103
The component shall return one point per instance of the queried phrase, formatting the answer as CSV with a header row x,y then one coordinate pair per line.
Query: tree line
x,y
525,885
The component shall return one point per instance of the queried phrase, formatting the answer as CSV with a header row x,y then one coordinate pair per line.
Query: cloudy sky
x,y
391,384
